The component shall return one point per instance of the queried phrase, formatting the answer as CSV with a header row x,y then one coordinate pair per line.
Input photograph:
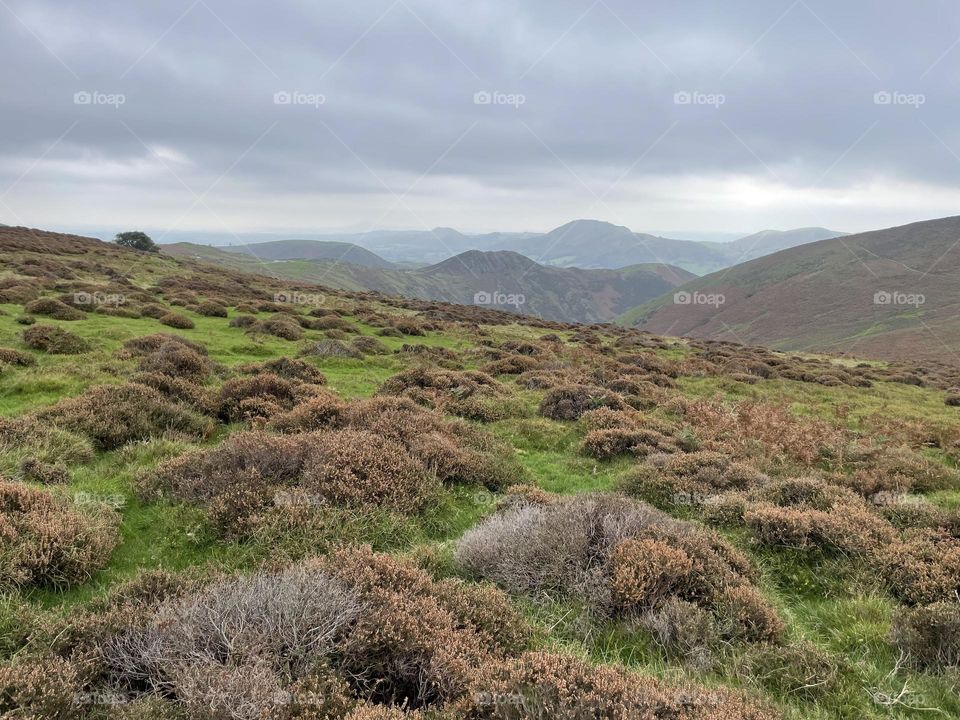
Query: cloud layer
x,y
295,115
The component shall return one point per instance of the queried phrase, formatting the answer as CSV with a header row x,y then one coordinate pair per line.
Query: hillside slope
x,y
505,280
312,250
890,293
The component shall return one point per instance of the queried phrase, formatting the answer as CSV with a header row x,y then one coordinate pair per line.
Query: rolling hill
x,y
889,293
475,277
312,250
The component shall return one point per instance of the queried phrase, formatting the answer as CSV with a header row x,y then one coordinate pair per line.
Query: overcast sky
x,y
298,115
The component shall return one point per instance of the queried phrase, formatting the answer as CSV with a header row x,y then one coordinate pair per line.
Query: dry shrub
x,y
210,308
179,390
53,340
53,308
280,325
16,357
288,368
561,687
28,689
511,365
421,642
569,402
469,394
242,321
684,632
809,514
370,346
34,470
261,396
409,326
154,311
320,410
113,415
617,433
26,437
929,636
177,360
356,468
622,556
176,320
147,344
924,568
44,540
331,348
694,479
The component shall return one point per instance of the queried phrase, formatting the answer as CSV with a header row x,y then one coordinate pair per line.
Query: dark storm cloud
x,y
782,92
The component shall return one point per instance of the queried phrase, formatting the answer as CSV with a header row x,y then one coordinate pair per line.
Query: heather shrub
x,y
27,689
26,437
924,568
684,632
53,308
261,395
929,636
113,415
288,368
154,311
799,670
569,402
34,470
179,390
242,321
53,340
511,365
622,556
25,320
177,360
321,410
331,348
16,357
210,308
279,325
176,320
147,344
369,346
562,687
45,540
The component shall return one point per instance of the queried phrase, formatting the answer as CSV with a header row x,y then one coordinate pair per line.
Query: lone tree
x,y
136,240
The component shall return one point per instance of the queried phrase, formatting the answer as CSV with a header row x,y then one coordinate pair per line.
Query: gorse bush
x,y
46,541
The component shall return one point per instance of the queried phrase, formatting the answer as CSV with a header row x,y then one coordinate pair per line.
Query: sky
x,y
301,116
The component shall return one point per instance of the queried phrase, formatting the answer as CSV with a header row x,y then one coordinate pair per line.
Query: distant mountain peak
x,y
485,262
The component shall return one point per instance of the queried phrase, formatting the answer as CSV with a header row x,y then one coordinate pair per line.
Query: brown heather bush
x,y
154,311
331,348
243,321
279,325
113,415
622,556
924,568
147,344
263,395
53,340
569,402
26,437
39,686
409,326
321,410
512,365
809,514
311,641
53,308
370,346
798,670
37,471
210,308
179,390
16,357
288,368
176,320
177,360
561,687
929,636
45,540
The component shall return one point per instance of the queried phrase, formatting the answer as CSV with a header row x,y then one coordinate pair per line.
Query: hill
x,y
596,244
889,293
312,250
476,277
225,495
766,242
